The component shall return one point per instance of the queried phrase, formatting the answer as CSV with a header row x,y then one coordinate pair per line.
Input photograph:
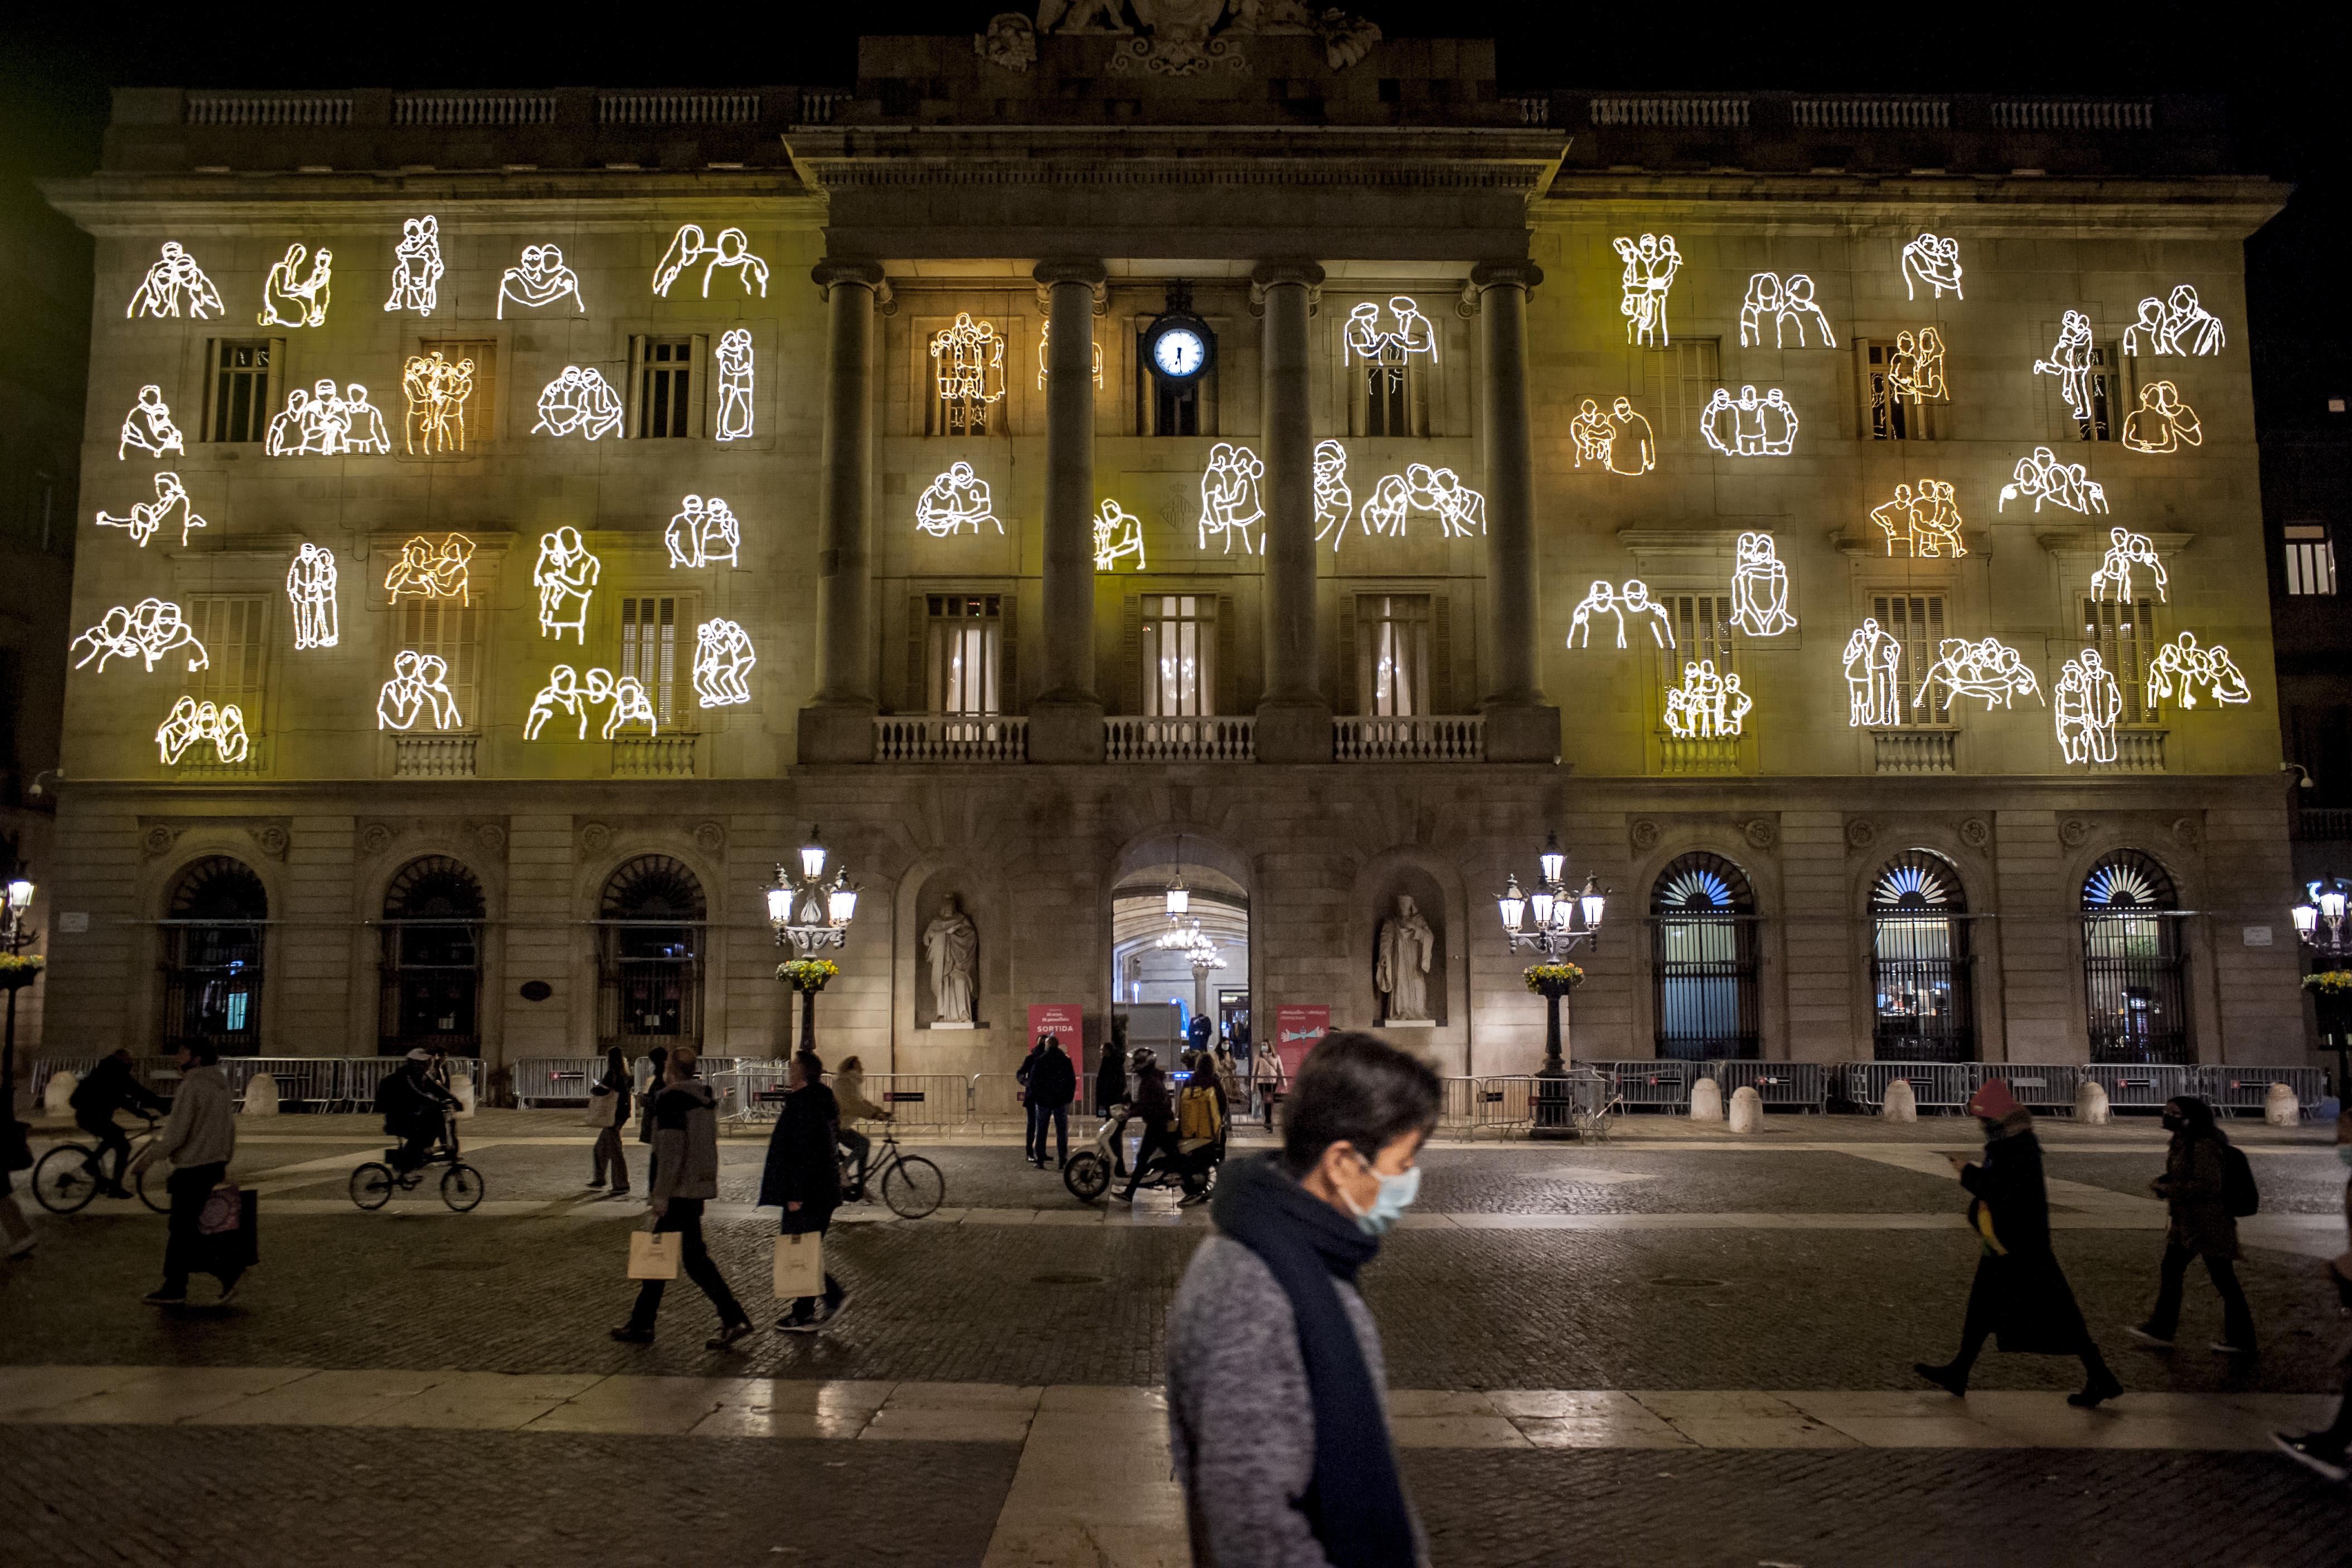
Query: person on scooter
x,y
1158,1114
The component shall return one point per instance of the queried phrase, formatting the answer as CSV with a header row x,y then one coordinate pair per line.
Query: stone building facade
x,y
1305,715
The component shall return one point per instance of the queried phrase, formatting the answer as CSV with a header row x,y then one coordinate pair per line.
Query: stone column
x,y
1294,716
1065,720
839,726
1521,727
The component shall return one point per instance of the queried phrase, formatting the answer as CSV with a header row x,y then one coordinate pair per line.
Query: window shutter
x,y
918,697
633,396
698,385
1130,652
1441,651
1346,681
1229,686
1008,665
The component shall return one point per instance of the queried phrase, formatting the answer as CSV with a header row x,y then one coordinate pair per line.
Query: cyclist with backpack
x,y
109,1087
2208,1186
414,1110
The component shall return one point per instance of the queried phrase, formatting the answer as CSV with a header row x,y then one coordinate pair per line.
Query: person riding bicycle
x,y
109,1087
1156,1111
850,1095
415,1109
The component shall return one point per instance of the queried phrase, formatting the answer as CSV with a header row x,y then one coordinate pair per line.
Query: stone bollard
x,y
58,1098
461,1084
1707,1101
1902,1103
2091,1103
260,1096
2280,1108
1746,1110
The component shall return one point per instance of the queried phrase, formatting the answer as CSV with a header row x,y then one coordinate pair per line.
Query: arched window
x,y
432,959
650,926
213,924
1919,962
2132,962
1703,960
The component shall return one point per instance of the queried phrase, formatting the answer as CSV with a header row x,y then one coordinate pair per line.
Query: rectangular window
x,y
1392,637
2125,637
650,629
1391,394
238,405
465,400
235,631
1179,637
1682,376
666,401
447,630
1702,628
2109,394
1915,622
964,652
2310,559
1888,413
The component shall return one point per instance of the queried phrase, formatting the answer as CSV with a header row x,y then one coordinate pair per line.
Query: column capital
x,y
1070,269
832,271
1522,275
1268,274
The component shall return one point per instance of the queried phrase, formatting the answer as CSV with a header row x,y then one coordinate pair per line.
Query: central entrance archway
x,y
1181,980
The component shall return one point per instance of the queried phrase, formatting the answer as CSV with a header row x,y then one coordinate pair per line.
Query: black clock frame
x,y
1160,327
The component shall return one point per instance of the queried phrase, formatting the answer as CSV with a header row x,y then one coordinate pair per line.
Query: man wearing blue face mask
x,y
1277,1395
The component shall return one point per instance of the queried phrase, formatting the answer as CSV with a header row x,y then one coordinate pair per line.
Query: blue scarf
x,y
1355,1504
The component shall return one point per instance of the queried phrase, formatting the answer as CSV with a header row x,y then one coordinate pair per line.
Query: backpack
x,y
1196,1115
2239,1193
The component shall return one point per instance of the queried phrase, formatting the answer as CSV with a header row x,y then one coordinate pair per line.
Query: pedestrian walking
x,y
611,1097
1270,1081
686,1176
652,1069
1277,1401
852,1105
2020,1294
1110,1074
2324,1450
1052,1084
802,1177
198,1141
1228,1075
1032,1137
1157,1112
109,1087
2195,1187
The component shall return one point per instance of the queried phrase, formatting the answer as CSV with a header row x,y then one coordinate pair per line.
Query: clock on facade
x,y
1179,347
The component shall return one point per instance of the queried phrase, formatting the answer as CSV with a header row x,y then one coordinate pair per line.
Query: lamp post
x,y
2325,936
14,935
812,914
1563,921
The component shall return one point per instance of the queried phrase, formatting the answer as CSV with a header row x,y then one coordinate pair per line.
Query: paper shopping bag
x,y
601,1110
800,1266
654,1255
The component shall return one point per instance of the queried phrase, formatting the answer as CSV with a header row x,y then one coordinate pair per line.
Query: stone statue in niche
x,y
951,944
1400,972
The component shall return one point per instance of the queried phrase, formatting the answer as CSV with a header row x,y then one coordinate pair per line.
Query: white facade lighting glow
x,y
2087,701
566,693
580,401
290,299
1760,588
419,688
732,250
325,422
190,723
2126,551
310,589
723,657
1230,503
172,283
146,631
1118,535
735,373
147,517
2162,422
148,427
436,390
1934,261
1707,706
1461,511
538,280
1620,441
1393,343
1335,504
417,267
703,533
1632,599
1650,263
2071,360
1874,698
1748,426
427,571
1925,520
1044,346
1916,369
2177,324
968,361
1988,669
1784,302
954,502
565,577
2182,664
2045,478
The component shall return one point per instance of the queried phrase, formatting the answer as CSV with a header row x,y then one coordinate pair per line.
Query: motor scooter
x,y
1089,1172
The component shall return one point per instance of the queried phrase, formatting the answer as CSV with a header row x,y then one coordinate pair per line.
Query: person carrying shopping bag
x,y
802,1177
685,1123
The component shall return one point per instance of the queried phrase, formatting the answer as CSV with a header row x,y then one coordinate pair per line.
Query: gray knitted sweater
x,y
1240,1426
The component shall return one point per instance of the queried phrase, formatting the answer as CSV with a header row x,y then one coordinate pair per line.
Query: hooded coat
x,y
802,1166
2018,1281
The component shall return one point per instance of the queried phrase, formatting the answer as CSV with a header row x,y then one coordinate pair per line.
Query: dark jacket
x,y
686,1142
617,1078
412,1102
802,1166
2019,1287
1111,1081
2192,1188
657,1061
1151,1101
1053,1079
112,1086
1029,1065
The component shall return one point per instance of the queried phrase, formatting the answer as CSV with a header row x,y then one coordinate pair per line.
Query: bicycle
x,y
65,1180
911,1184
372,1186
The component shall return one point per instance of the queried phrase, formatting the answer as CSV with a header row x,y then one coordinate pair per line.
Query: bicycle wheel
x,y
1087,1175
372,1186
158,1198
61,1181
913,1186
461,1187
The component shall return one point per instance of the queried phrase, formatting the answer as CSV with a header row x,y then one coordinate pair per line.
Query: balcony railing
x,y
1914,750
2136,751
1149,739
1431,739
1871,113
2323,824
433,756
950,738
653,757
2072,114
474,108
1681,111
1715,754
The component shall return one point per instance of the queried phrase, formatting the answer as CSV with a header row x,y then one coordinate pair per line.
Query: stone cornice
x,y
122,203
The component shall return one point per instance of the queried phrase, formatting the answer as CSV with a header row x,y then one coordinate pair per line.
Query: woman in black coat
x,y
608,1152
2020,1294
802,1176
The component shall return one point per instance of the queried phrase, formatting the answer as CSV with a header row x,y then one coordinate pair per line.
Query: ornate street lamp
x,y
811,914
1563,921
2326,937
16,974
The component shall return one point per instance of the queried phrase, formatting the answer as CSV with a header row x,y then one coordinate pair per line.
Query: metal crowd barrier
x,y
1662,1082
555,1080
2233,1088
748,1091
2037,1085
1935,1085
2144,1088
921,1099
1505,1103
996,1097
1459,1106
1802,1084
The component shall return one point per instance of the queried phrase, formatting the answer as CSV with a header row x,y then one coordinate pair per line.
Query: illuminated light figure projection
x,y
417,267
310,589
538,280
174,281
734,357
1782,301
1873,696
2178,325
565,577
2181,663
954,501
147,517
1935,262
1229,497
145,632
733,251
1118,535
148,427
289,299
1335,503
969,357
1650,263
2044,478
1620,441
426,570
2088,704
1460,510
1916,369
565,692
1990,669
2162,422
1747,425
325,423
704,533
723,658
436,392
419,688
1760,588
1392,346
1925,520
1044,346
1706,706
579,400
2072,358
1632,599
190,723
2126,549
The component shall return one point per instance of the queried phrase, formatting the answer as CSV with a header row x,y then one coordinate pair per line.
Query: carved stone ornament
x,y
273,840
1185,38
709,838
1010,44
158,841
2073,832
595,838
1862,832
492,838
1976,832
374,839
2185,831
1759,831
1644,835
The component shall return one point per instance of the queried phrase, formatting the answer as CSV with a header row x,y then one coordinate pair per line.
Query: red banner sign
x,y
1296,1030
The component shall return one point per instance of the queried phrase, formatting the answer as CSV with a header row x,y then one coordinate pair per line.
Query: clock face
x,y
1179,352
